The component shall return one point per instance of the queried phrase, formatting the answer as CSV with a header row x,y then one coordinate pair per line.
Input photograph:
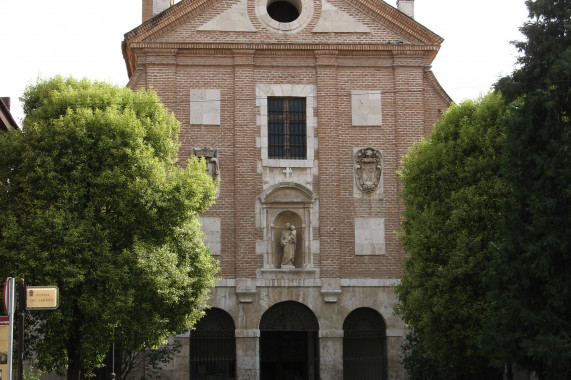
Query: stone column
x,y
247,354
331,354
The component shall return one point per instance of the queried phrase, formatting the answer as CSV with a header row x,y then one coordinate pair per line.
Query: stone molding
x,y
427,49
369,282
247,333
313,281
245,289
331,333
331,289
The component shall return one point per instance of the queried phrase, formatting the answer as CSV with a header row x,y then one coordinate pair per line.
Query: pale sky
x,y
82,38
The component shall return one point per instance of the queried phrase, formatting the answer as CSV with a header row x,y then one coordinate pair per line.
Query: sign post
x,y
7,330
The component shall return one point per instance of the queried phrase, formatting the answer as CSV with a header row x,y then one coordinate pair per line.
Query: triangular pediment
x,y
191,21
335,20
235,19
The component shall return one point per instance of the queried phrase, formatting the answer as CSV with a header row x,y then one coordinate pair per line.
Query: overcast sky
x,y
82,38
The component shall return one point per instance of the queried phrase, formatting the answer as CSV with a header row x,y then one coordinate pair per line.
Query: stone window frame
x,y
309,92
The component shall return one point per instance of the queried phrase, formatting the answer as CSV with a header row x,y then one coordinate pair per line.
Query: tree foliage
x,y
452,192
93,201
532,324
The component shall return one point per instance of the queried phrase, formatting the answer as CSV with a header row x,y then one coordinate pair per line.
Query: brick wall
x,y
411,103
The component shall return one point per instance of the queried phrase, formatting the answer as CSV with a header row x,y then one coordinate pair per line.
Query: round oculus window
x,y
284,16
282,11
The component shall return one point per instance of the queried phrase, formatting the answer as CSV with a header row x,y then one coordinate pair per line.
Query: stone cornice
x,y
376,9
229,49
437,87
403,49
168,20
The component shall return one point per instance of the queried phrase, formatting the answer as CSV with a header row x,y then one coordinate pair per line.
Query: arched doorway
x,y
213,347
289,347
364,345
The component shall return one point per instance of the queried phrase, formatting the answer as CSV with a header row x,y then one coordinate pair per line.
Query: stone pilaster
x,y
328,133
245,128
331,354
248,361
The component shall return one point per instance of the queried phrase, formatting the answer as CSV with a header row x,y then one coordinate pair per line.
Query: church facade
x,y
303,110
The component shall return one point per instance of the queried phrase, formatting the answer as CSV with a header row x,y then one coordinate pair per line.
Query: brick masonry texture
x,y
169,54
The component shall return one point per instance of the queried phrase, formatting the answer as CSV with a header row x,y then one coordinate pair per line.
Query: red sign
x,y
4,320
4,295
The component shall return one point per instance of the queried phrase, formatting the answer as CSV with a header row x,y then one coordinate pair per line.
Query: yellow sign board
x,y
42,297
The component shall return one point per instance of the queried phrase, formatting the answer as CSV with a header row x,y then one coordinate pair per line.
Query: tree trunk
x,y
73,348
509,372
73,370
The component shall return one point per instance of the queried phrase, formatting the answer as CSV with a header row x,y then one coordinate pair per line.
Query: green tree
x,y
452,193
419,364
93,201
532,324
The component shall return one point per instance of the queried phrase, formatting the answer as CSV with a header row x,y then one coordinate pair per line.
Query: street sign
x,y
8,303
42,297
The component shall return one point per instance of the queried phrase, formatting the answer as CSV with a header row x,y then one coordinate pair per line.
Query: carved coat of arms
x,y
211,157
368,169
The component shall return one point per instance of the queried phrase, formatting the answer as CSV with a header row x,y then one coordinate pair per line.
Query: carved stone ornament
x,y
368,169
211,157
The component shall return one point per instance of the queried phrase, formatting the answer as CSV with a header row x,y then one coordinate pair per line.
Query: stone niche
x,y
287,203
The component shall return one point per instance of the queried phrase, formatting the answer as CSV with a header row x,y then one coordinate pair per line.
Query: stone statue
x,y
289,241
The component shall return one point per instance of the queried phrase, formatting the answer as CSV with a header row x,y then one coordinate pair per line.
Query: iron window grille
x,y
287,128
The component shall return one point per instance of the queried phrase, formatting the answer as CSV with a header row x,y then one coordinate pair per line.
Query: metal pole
x,y
113,357
21,309
11,299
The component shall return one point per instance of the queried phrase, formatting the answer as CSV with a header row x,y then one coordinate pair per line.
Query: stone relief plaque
x,y
211,157
368,169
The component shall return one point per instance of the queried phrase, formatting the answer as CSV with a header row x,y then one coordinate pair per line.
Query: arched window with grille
x,y
213,347
364,345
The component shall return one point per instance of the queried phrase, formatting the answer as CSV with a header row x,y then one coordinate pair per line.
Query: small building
x,y
7,122
303,110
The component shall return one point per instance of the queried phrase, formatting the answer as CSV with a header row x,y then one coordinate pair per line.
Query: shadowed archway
x,y
213,347
289,347
364,345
